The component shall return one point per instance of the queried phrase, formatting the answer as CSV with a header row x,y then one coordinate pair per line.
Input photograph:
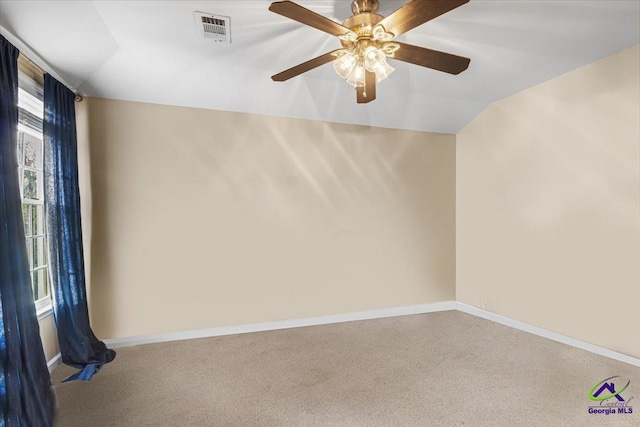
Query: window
x,y
31,170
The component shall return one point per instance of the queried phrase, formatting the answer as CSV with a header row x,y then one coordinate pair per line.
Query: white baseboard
x,y
282,324
547,334
366,315
54,362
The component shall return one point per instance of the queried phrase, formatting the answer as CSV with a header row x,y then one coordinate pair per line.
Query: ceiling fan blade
x,y
304,67
298,13
441,61
368,92
416,13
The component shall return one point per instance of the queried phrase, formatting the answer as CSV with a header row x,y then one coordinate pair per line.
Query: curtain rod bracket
x,y
79,98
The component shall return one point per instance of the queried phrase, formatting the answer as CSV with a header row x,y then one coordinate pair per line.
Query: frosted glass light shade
x,y
373,57
356,78
375,61
344,64
354,66
383,70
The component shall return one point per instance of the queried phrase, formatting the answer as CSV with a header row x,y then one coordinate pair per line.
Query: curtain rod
x,y
31,56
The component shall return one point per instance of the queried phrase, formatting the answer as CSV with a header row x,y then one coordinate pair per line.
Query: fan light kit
x,y
366,39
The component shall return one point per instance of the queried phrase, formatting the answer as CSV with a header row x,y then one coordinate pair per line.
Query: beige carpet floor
x,y
439,369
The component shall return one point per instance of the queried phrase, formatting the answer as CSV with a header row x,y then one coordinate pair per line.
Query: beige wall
x,y
205,218
548,205
49,336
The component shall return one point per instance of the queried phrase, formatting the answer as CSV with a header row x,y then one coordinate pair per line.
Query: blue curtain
x,y
26,395
78,345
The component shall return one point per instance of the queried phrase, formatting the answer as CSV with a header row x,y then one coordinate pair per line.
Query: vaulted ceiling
x,y
149,51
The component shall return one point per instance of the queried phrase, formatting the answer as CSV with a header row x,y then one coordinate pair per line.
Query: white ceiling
x,y
149,51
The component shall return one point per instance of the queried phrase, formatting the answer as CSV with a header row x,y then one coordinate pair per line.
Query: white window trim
x,y
28,102
44,307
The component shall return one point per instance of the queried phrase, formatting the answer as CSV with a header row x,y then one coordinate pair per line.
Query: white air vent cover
x,y
213,27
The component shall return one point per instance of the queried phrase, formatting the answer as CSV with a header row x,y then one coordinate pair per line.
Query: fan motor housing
x,y
362,24
360,6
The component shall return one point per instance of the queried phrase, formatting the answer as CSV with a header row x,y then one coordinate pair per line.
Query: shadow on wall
x,y
393,162
96,226
240,218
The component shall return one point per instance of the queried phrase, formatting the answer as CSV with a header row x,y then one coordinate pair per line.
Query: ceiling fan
x,y
366,39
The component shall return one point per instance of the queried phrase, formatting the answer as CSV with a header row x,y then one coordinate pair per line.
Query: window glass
x,y
30,169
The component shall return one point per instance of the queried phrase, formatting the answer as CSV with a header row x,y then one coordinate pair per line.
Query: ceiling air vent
x,y
213,27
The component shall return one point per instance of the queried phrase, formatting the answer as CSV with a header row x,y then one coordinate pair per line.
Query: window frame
x,y
29,92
